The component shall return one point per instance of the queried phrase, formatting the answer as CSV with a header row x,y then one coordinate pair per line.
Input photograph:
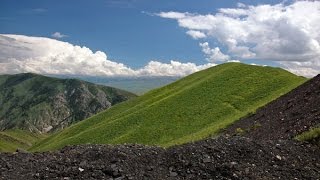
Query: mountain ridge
x,y
40,104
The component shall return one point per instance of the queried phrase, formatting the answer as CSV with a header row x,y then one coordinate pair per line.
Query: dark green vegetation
x,y
40,104
195,107
312,136
11,140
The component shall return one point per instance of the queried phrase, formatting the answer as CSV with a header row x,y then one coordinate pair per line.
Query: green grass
x,y
195,107
11,140
313,135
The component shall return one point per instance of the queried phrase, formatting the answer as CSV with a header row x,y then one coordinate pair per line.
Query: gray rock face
x,y
42,104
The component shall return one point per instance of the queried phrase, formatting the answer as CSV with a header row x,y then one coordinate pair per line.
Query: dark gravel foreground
x,y
221,158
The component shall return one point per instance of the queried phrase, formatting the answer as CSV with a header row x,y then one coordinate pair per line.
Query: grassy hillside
x,y
38,103
192,108
11,140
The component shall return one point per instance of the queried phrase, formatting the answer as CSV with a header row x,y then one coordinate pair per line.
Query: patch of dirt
x,y
284,118
221,158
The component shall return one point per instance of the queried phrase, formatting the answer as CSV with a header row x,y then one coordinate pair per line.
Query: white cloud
x,y
213,55
307,69
175,68
241,5
172,15
237,61
286,34
41,55
196,34
58,35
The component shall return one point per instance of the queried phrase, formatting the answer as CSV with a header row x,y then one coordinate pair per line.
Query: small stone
x,y
149,168
19,150
207,160
173,174
9,166
234,175
113,166
115,174
247,170
80,169
233,163
83,163
119,178
278,157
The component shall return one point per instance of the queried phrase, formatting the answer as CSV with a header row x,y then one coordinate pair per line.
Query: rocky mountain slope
x,y
286,117
40,104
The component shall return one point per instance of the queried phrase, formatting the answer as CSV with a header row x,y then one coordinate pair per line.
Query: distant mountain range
x,y
190,109
137,85
40,104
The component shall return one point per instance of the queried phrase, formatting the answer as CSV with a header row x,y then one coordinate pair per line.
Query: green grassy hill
x,y
11,140
195,107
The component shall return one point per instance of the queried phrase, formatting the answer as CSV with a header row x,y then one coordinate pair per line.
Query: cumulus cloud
x,y
286,34
213,55
41,55
196,34
173,15
174,68
241,5
58,35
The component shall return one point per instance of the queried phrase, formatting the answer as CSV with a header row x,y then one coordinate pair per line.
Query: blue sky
x,y
134,33
118,27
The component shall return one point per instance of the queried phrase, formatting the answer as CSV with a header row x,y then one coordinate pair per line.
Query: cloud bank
x,y
19,53
286,34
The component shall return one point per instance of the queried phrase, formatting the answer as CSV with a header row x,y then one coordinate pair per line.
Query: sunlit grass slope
x,y
11,140
192,108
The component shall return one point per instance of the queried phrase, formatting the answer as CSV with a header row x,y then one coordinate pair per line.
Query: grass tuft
x,y
313,136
